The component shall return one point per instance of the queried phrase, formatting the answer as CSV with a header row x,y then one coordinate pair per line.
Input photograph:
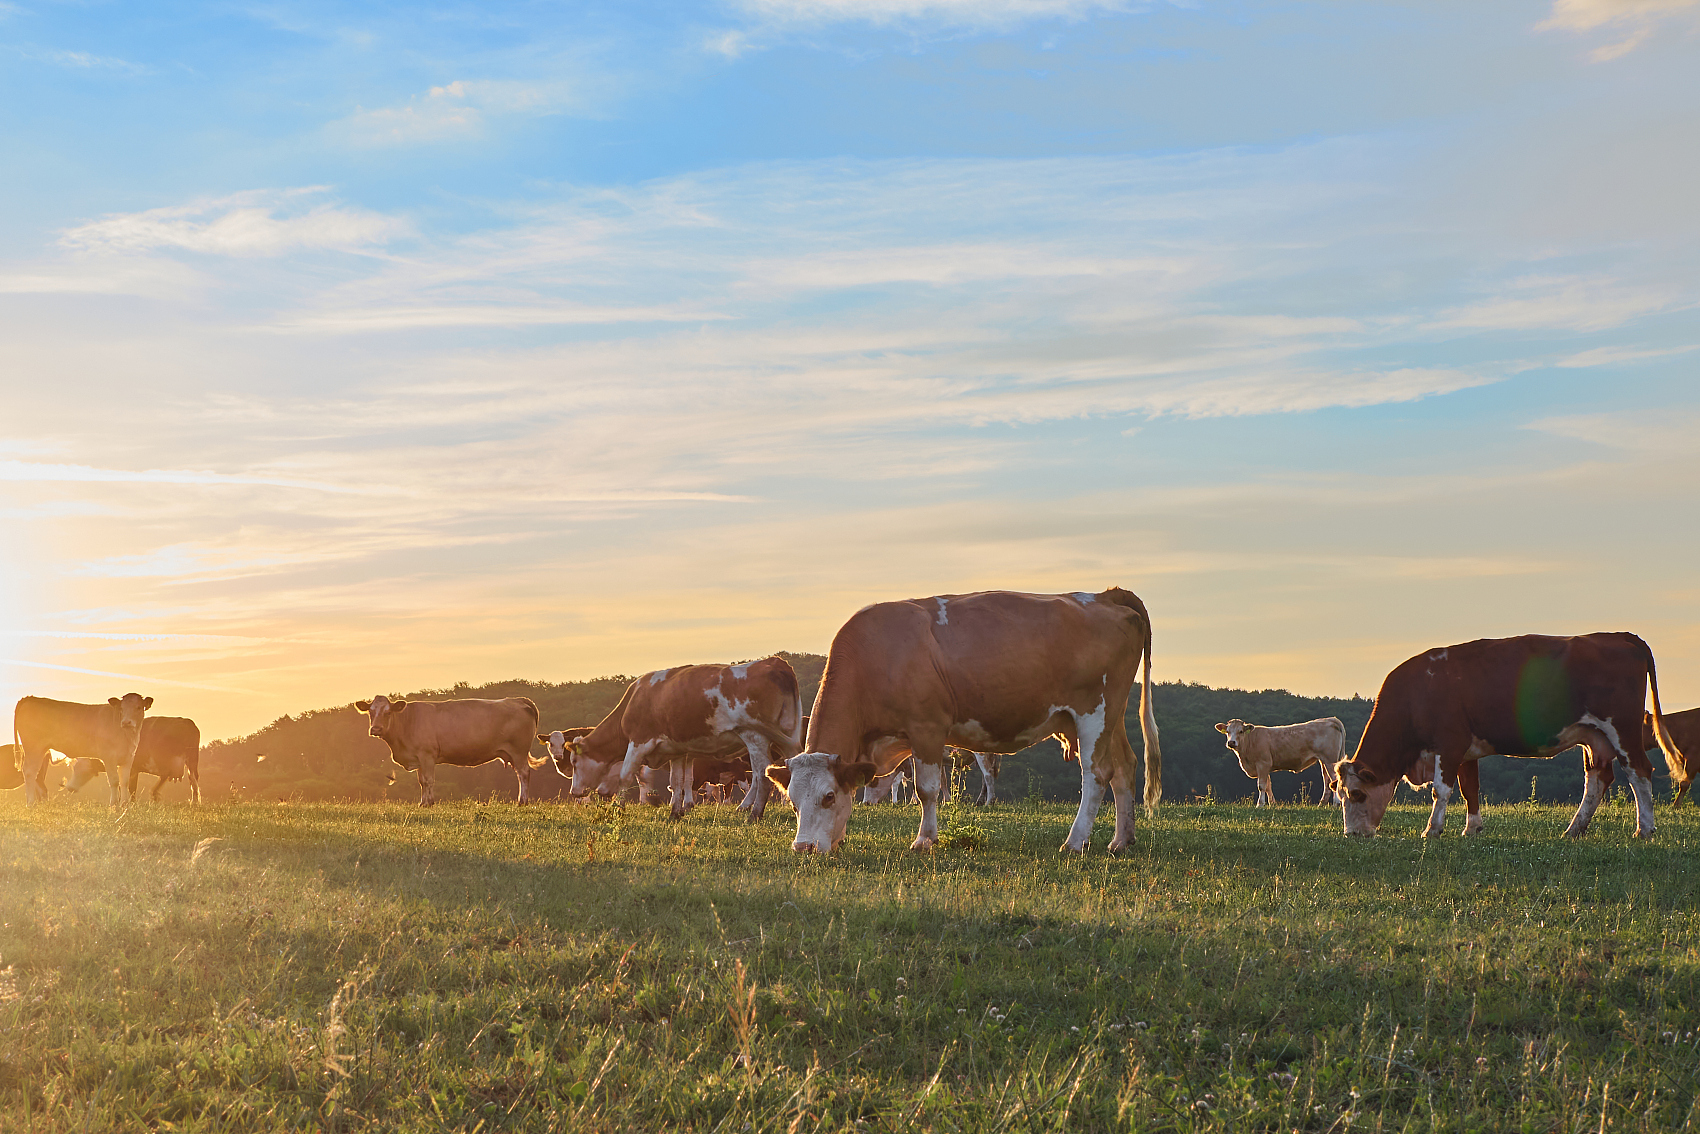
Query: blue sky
x,y
353,348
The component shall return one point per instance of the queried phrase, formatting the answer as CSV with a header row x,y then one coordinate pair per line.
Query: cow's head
x,y
823,789
1233,730
1364,797
655,786
571,752
381,713
130,708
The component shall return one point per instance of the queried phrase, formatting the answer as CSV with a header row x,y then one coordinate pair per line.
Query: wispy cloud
x,y
972,13
11,470
76,60
141,680
457,111
264,223
1634,20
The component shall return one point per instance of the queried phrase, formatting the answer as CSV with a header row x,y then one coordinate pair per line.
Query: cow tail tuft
x,y
1675,760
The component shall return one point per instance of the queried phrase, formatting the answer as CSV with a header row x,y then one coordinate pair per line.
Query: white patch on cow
x,y
1642,788
1610,731
739,671
1088,728
1084,597
1437,655
988,779
659,676
944,619
1473,825
729,715
929,779
635,753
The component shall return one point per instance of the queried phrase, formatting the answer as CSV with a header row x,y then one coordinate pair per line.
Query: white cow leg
x,y
35,768
1091,799
1442,793
1127,804
522,772
1266,791
761,788
1642,788
679,781
114,784
927,784
988,779
1593,788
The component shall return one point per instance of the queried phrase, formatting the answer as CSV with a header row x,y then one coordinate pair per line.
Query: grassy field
x,y
479,967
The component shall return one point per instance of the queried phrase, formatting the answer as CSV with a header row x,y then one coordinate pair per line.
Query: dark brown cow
x,y
170,748
995,671
107,733
464,733
672,715
1684,730
1528,696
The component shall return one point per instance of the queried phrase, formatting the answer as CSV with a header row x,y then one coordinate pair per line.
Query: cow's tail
x,y
1674,758
1147,715
531,735
791,716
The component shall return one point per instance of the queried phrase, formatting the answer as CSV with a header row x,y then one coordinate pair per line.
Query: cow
x,y
1533,695
1684,729
672,715
560,754
993,671
464,733
108,733
882,789
170,748
1263,749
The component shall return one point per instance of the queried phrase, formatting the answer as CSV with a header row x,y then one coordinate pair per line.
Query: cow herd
x,y
920,683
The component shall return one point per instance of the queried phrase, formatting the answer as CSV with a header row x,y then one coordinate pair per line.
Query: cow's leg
x,y
761,788
1329,796
1127,803
1442,793
114,783
1470,784
679,779
522,772
1599,750
1641,786
1266,790
988,778
35,774
635,753
928,783
427,780
1088,730
195,785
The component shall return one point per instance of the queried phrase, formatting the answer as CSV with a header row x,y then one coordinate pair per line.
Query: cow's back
x,y
467,727
70,727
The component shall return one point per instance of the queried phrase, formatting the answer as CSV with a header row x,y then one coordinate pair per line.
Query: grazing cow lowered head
x,y
1365,798
823,789
565,746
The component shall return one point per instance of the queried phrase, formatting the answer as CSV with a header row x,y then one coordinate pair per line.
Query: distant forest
x,y
327,754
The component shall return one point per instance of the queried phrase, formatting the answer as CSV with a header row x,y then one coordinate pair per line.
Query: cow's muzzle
x,y
1234,744
804,848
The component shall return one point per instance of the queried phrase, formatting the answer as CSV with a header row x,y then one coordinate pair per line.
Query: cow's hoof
x,y
1647,834
1574,832
755,815
1117,848
923,843
1070,848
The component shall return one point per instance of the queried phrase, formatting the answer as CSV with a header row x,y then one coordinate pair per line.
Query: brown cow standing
x,y
463,733
1684,730
170,748
672,715
107,733
1264,749
994,671
1533,695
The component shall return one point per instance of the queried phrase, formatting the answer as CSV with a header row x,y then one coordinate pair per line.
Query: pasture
x,y
479,967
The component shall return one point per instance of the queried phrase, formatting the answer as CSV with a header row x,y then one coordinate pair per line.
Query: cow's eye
x,y
826,800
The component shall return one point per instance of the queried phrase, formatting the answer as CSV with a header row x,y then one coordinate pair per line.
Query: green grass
x,y
479,967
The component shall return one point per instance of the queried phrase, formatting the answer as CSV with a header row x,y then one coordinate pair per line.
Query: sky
x,y
360,348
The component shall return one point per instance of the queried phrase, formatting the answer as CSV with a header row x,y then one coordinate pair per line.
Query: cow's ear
x,y
780,776
1221,727
112,700
398,704
147,703
543,737
1245,728
576,746
852,776
363,706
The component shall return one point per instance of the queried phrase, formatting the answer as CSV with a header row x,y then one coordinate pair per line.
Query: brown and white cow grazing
x,y
170,748
673,715
464,732
108,733
1684,730
1532,695
994,671
720,772
1263,749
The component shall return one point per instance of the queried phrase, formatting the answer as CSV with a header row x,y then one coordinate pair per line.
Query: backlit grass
x,y
478,966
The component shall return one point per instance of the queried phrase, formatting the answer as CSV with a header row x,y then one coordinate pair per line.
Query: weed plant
x,y
478,967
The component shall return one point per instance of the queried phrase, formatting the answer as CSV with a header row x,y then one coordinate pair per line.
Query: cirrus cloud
x,y
258,223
